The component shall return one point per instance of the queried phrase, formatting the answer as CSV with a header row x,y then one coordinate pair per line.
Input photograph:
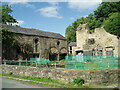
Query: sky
x,y
50,15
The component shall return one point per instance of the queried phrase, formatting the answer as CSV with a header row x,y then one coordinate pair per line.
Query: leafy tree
x,y
112,24
5,16
100,17
106,8
7,37
70,34
8,40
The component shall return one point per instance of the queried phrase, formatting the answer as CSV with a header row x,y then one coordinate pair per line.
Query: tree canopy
x,y
102,17
7,36
112,24
5,18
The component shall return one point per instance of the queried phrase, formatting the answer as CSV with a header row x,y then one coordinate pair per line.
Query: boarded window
x,y
100,52
109,51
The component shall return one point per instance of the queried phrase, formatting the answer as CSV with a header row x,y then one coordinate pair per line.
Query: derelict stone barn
x,y
33,43
97,43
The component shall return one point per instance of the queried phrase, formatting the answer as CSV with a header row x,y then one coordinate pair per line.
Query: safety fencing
x,y
37,62
91,62
71,62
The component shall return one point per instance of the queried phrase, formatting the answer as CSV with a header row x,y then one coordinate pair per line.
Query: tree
x,y
112,24
106,8
101,14
70,34
5,16
8,40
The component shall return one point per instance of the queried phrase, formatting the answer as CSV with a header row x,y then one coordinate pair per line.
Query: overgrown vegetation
x,y
54,83
106,15
78,81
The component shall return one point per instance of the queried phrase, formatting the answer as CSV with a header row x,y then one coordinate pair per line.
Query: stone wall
x,y
26,46
90,76
102,40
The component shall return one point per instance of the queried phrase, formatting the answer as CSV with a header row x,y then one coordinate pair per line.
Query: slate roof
x,y
72,44
36,32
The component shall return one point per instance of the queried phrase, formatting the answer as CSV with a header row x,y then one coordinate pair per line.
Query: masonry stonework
x,y
32,43
108,76
98,40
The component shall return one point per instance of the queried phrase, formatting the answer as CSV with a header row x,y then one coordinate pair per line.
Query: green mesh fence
x,y
40,60
91,62
11,62
32,61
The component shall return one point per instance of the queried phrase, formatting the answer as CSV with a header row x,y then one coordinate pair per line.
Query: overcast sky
x,y
48,15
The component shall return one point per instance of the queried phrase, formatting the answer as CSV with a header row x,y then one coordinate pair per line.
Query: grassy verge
x,y
45,80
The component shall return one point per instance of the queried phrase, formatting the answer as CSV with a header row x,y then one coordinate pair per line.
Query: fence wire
x,y
91,62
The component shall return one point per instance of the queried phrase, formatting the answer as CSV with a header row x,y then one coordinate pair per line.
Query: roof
x,y
36,32
72,44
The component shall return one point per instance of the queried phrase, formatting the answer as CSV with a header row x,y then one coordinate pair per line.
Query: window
x,y
70,49
58,43
109,51
91,41
36,45
100,52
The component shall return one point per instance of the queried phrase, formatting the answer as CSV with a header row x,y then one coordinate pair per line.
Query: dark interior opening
x,y
62,56
53,56
79,51
36,55
36,40
58,43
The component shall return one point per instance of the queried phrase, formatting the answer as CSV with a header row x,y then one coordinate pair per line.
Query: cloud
x,y
83,4
20,22
53,3
24,2
17,2
50,12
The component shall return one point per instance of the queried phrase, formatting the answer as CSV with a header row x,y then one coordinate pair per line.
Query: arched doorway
x,y
53,53
63,53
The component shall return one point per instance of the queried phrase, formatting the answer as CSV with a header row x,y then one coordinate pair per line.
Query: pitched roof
x,y
36,32
72,44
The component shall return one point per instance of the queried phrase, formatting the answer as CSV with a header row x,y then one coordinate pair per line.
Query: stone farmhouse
x,y
97,43
32,43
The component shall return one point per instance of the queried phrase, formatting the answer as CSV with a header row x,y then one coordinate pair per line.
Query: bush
x,y
79,81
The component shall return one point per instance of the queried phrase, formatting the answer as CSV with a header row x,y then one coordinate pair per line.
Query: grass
x,y
51,82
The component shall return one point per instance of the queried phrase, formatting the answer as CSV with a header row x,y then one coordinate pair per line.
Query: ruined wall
x,y
42,46
101,37
108,76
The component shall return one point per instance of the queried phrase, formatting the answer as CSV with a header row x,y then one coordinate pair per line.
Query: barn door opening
x,y
53,56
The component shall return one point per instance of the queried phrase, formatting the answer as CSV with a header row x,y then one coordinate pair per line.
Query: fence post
x,y
55,64
36,63
26,61
4,61
19,62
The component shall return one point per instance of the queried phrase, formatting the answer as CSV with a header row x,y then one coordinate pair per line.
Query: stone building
x,y
71,48
97,43
33,43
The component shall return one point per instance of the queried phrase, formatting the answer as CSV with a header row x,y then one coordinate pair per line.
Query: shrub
x,y
79,81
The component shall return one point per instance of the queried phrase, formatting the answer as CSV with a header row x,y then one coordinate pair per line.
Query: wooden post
x,y
36,63
19,62
26,61
58,57
55,64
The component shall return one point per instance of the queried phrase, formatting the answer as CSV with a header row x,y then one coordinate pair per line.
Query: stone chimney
x,y
83,27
